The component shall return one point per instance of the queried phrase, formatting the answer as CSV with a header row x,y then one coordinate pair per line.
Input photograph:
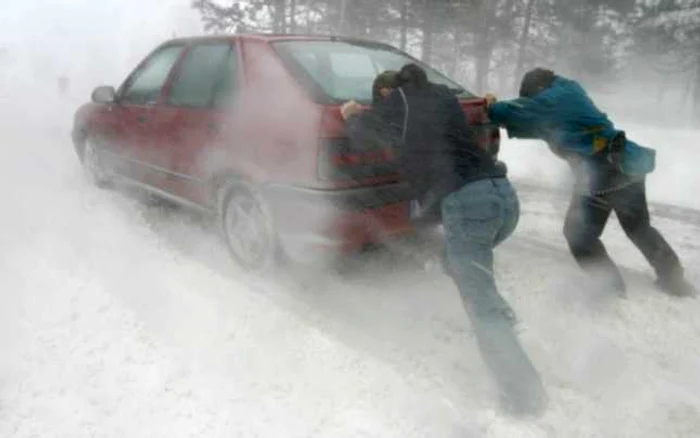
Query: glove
x,y
350,109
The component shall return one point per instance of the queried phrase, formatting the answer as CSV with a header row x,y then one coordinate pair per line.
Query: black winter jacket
x,y
437,150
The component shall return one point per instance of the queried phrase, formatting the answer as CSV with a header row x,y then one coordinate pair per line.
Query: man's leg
x,y
473,218
630,205
511,207
583,227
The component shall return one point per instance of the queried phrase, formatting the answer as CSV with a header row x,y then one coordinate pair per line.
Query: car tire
x,y
248,229
93,162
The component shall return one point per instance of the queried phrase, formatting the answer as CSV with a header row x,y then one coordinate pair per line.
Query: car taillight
x,y
339,161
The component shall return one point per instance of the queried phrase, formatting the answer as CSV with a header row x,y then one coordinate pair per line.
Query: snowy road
x,y
122,319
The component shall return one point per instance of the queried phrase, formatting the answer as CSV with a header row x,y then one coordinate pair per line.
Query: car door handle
x,y
214,128
141,120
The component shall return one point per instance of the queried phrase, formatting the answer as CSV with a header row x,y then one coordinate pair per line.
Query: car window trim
x,y
236,52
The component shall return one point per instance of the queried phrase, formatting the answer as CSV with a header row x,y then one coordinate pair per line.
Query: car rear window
x,y
345,70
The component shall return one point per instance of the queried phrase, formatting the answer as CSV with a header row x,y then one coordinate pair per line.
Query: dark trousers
x,y
586,220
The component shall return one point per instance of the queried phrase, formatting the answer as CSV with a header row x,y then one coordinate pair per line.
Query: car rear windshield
x,y
345,70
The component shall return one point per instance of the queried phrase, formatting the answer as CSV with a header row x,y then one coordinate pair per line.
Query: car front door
x,y
131,137
191,123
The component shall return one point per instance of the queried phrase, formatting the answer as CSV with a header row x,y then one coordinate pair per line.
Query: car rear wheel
x,y
93,163
248,229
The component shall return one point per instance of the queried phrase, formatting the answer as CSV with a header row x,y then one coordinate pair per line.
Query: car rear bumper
x,y
353,199
339,220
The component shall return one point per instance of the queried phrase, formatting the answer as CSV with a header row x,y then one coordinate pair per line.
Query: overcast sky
x,y
89,39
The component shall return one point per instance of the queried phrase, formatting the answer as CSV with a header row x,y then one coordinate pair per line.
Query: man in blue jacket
x,y
610,173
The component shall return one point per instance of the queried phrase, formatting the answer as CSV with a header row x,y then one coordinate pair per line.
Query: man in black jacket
x,y
452,177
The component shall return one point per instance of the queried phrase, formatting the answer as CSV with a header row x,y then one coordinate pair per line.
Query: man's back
x,y
439,152
576,120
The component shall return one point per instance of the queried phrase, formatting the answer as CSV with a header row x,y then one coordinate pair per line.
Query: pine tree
x,y
668,33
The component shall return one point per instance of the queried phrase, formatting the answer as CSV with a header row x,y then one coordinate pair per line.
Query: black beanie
x,y
413,74
534,80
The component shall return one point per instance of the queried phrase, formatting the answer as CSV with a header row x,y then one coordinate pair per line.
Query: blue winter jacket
x,y
566,118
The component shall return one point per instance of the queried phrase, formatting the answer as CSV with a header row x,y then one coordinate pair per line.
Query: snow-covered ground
x,y
119,318
123,319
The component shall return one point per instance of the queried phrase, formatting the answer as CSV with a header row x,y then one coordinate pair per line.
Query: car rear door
x,y
132,135
191,123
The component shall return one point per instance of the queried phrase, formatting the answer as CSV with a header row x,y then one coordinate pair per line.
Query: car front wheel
x,y
93,163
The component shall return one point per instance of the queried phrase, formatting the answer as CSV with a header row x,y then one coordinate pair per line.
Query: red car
x,y
248,128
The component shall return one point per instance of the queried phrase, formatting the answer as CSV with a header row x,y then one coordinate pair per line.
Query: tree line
x,y
490,43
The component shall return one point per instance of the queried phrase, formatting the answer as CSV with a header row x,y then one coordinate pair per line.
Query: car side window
x,y
145,86
200,76
228,80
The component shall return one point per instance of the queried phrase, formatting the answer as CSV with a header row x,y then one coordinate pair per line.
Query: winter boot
x,y
677,286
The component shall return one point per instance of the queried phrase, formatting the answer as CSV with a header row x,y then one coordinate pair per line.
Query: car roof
x,y
270,37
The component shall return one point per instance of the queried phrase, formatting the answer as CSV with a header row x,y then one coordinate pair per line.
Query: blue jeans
x,y
477,218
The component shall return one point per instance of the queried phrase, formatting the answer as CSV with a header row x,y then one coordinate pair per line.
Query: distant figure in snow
x,y
457,182
63,84
610,173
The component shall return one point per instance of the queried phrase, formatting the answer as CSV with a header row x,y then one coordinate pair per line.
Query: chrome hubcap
x,y
246,229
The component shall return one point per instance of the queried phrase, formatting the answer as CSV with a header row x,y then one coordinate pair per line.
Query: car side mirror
x,y
104,94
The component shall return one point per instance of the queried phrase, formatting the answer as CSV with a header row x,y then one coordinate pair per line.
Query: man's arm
x,y
380,124
522,117
458,130
364,129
